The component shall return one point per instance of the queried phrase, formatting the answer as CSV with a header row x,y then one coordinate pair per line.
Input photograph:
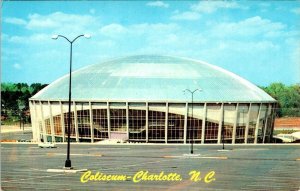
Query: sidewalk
x,y
13,128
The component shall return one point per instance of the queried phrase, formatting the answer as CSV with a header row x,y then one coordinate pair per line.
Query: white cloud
x,y
17,66
186,16
61,22
15,21
296,11
113,30
212,6
240,46
34,38
249,27
157,4
153,28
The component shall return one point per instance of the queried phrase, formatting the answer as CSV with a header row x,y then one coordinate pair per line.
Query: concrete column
x,y
185,123
91,122
203,123
62,121
76,122
235,123
51,122
147,122
43,123
127,119
166,122
266,123
247,124
35,125
220,124
108,120
257,125
273,118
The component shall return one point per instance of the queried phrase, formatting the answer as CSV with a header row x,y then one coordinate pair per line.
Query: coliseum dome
x,y
141,99
158,78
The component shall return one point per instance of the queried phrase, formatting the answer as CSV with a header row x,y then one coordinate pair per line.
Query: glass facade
x,y
212,123
228,122
72,125
100,124
83,120
137,125
157,122
242,116
175,127
118,120
57,125
156,126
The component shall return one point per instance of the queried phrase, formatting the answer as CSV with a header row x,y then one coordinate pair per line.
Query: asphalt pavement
x,y
151,167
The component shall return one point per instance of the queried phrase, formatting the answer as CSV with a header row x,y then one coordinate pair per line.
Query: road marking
x,y
66,170
108,148
253,149
131,165
198,157
64,154
224,150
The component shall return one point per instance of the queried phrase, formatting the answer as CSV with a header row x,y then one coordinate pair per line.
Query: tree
x,y
288,98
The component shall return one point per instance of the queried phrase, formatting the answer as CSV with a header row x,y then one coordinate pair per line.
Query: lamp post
x,y
68,161
192,135
21,106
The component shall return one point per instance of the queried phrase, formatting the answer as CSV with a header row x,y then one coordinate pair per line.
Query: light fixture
x,y
87,35
54,36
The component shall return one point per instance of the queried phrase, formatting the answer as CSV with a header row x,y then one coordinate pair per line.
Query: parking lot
x,y
243,167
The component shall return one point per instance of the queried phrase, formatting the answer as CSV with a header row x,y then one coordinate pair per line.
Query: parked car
x,y
47,145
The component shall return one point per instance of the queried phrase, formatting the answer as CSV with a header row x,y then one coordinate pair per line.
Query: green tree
x,y
288,98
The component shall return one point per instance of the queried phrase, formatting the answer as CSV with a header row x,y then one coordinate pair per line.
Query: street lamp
x,y
192,135
54,37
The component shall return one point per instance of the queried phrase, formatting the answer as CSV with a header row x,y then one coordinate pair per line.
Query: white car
x,y
286,138
47,145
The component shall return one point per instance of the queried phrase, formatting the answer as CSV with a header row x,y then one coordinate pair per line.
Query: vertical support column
x,y
35,126
76,122
203,123
51,122
166,122
274,105
108,120
43,123
257,125
147,122
220,123
235,123
185,123
91,122
266,123
247,124
62,121
127,119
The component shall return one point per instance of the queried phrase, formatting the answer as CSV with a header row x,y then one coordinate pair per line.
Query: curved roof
x,y
154,78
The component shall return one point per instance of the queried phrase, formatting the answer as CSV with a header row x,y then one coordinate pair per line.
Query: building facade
x,y
141,99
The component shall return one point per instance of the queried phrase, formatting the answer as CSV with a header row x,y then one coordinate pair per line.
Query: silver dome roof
x,y
154,78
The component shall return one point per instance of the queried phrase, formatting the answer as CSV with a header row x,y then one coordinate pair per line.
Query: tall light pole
x,y
68,161
192,135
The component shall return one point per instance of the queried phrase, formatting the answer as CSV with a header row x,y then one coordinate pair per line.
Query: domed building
x,y
141,99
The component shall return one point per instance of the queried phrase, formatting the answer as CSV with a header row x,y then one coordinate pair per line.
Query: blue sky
x,y
258,40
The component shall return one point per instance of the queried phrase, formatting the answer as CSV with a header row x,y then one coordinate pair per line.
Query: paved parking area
x,y
251,167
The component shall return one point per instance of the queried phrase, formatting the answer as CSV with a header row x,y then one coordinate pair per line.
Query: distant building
x,y
141,99
288,123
